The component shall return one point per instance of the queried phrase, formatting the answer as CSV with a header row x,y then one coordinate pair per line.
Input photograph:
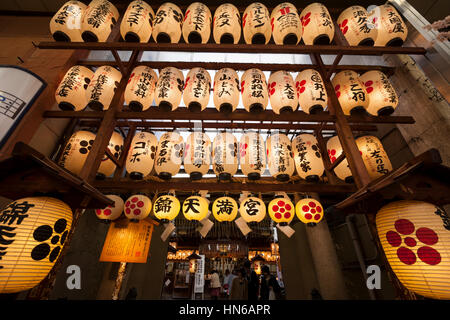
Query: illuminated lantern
x,y
193,262
342,170
197,155
252,209
254,90
283,97
257,261
102,87
351,92
111,212
279,155
281,210
256,24
311,92
195,208
107,166
71,92
140,89
141,156
33,233
197,23
318,27
66,23
354,25
167,23
136,25
196,89
415,236
391,29
253,155
224,155
226,90
166,208
98,20
309,211
227,24
225,209
382,96
307,157
286,24
137,207
169,155
169,89
76,151
375,158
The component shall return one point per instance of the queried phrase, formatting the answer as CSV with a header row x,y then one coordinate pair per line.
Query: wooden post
x,y
119,280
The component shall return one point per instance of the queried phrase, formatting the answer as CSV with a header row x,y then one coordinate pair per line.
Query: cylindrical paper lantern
x,y
254,90
374,156
252,209
225,209
102,87
311,92
226,90
115,146
382,96
140,89
98,20
253,155
318,27
224,155
279,156
71,92
197,23
227,24
256,24
197,155
169,155
282,92
286,24
66,23
169,89
415,236
281,210
351,92
111,212
33,232
137,207
307,157
353,23
195,208
76,151
141,156
391,29
136,25
342,170
309,211
166,208
167,23
196,89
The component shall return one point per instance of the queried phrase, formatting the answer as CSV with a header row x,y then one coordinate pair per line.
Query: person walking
x,y
239,286
270,289
215,285
253,282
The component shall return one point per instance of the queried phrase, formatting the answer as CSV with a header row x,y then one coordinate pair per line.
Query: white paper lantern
x,y
71,92
342,170
252,155
111,212
197,23
197,155
169,155
102,87
254,90
141,156
307,157
66,23
382,96
374,156
351,92
252,209
98,20
391,29
224,155
140,89
196,89
256,24
76,151
107,166
282,92
318,27
137,207
227,24
311,92
167,23
137,22
280,157
169,89
354,25
226,90
286,24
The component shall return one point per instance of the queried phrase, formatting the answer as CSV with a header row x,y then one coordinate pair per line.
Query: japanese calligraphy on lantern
x,y
101,89
196,89
66,23
226,90
195,208
71,92
97,22
382,96
140,89
279,154
141,156
307,157
167,23
252,155
169,89
318,28
169,155
254,90
282,92
256,24
311,92
286,25
252,209
353,23
374,156
225,209
227,24
197,155
137,22
224,155
350,92
391,29
166,207
197,23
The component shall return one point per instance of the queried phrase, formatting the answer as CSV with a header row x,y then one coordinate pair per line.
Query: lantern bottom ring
x,y
311,224
386,111
283,224
322,39
135,106
358,110
368,42
136,175
349,179
290,38
256,108
61,36
227,38
89,36
396,42
224,176
100,176
132,37
226,108
259,38
196,175
194,37
195,106
282,177
95,105
286,109
163,38
164,221
165,175
316,109
165,106
254,176
66,106
312,178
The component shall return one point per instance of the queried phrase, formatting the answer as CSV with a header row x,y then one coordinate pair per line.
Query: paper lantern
x,y
382,96
197,23
225,209
169,89
318,27
137,22
354,26
195,208
351,92
66,23
33,232
415,236
196,89
257,262
224,155
140,89
115,146
71,92
391,29
197,155
111,212
167,23
307,157
102,87
281,210
374,156
166,208
254,90
282,92
309,211
76,151
141,155
169,155
226,90
137,207
342,170
286,24
252,209
98,20
280,157
193,262
227,24
311,92
253,155
256,24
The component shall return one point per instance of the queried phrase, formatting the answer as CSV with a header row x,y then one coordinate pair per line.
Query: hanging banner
x,y
199,282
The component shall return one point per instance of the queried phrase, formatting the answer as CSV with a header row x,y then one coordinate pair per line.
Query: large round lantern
x,y
167,23
71,92
224,155
415,236
76,151
252,209
342,170
318,27
66,23
279,155
137,207
391,29
102,87
354,25
374,156
141,155
196,89
136,25
226,90
286,24
195,208
253,155
254,90
115,146
225,209
282,93
351,92
197,23
140,89
309,211
307,157
197,155
311,92
227,24
111,212
166,208
33,233
382,96
169,89
169,155
281,210
98,20
256,24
